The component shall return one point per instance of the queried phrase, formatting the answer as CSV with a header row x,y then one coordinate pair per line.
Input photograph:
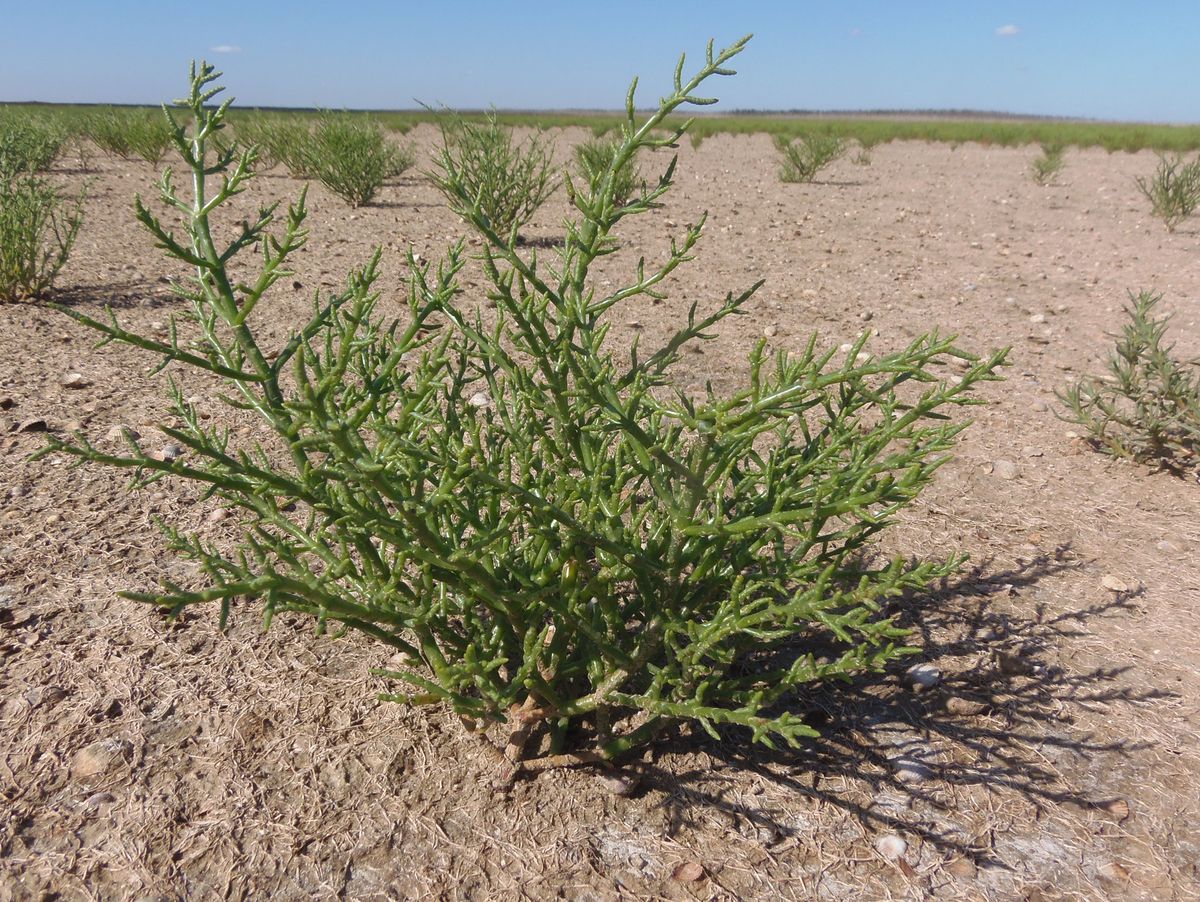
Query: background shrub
x,y
129,133
28,144
281,139
593,159
1173,190
803,157
38,227
351,156
865,146
1045,168
550,537
502,179
1148,407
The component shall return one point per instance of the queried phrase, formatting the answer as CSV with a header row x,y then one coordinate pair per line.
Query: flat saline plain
x,y
1059,757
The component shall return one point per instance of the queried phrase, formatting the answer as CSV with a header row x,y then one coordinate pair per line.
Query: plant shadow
x,y
886,749
542,242
129,294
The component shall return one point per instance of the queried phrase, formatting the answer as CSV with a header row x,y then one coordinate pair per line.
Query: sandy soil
x,y
146,760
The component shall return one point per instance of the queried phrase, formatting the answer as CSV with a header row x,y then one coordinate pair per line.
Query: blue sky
x,y
1110,59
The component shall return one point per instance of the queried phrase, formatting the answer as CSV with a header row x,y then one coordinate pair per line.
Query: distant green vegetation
x,y
867,130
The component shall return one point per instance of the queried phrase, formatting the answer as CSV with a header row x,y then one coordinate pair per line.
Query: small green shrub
x,y
1045,168
28,144
129,133
1173,190
547,534
594,160
1148,407
38,227
351,156
863,156
505,181
803,157
349,153
281,139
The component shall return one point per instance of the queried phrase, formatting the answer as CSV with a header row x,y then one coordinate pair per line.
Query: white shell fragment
x,y
920,677
891,846
1114,583
911,770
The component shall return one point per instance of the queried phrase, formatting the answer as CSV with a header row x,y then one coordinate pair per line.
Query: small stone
x,y
170,452
217,516
866,316
1030,451
619,784
74,380
94,801
45,696
634,324
963,707
911,770
1005,469
1112,872
1168,547
34,425
7,403
1038,318
771,331
479,399
118,433
920,677
891,846
688,872
100,758
1114,583
963,868
1039,405
1118,809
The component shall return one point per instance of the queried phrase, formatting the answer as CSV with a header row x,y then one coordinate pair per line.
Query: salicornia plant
x,y
550,535
504,180
129,133
38,227
28,144
351,156
594,158
279,138
1045,168
803,157
1148,407
1173,190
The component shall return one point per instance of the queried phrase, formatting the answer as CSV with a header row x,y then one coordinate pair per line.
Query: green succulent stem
x,y
551,535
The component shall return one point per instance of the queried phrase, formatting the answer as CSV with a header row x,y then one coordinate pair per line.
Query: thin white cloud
x,y
1007,31
226,48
